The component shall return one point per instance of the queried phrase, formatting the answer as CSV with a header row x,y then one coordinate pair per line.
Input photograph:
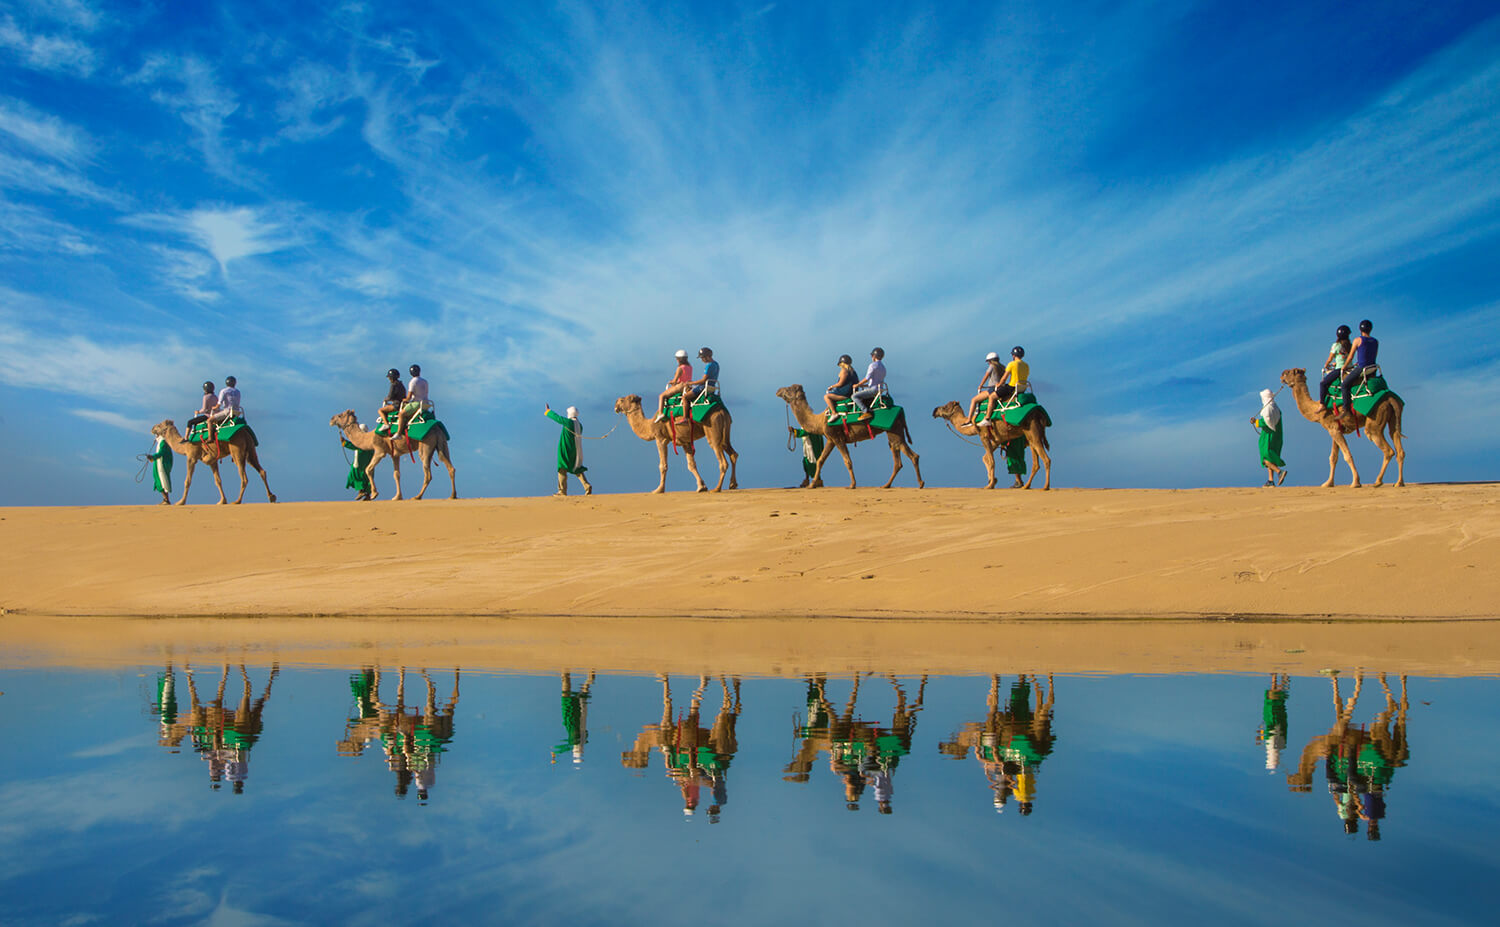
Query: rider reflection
x,y
861,754
694,756
412,737
1011,743
1359,760
222,737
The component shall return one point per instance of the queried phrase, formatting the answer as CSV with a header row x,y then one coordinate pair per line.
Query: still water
x,y
268,795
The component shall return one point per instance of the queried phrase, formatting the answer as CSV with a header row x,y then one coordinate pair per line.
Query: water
x,y
362,796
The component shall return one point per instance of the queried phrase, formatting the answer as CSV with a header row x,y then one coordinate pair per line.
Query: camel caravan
x,y
1003,419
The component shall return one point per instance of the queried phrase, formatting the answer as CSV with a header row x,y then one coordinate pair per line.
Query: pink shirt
x,y
684,373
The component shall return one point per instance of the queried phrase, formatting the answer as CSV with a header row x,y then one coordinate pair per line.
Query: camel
x,y
434,442
1385,415
844,435
692,754
685,435
997,434
241,450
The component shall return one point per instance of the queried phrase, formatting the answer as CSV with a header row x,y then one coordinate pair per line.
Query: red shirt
x,y
684,373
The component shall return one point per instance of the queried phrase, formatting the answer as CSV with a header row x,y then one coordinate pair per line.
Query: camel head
x,y
345,419
624,403
162,429
792,394
1294,376
947,410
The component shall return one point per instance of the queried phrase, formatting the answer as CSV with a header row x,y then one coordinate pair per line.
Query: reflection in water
x,y
859,752
694,756
1010,744
221,737
1273,719
575,717
1359,760
412,737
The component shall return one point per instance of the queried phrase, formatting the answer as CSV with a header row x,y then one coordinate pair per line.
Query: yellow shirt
x,y
1017,372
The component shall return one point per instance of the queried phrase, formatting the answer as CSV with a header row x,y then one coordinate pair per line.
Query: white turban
x,y
1270,413
572,411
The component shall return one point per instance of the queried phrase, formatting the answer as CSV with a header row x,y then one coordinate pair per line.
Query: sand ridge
x,y
1419,552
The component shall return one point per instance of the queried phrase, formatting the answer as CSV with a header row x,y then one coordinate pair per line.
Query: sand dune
x,y
1422,552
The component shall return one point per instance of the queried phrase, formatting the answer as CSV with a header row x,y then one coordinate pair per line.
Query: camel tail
x,y
906,431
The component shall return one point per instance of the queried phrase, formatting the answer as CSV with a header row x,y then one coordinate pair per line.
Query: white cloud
x,y
44,134
197,97
47,52
227,233
113,420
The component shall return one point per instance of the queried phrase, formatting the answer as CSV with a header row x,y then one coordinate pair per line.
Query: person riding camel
x,y
228,403
1333,367
1017,374
394,396
871,386
993,374
416,400
1360,363
210,402
677,385
710,380
843,387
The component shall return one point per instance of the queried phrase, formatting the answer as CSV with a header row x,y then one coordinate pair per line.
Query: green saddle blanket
x,y
700,406
416,427
1367,394
1013,412
885,413
198,434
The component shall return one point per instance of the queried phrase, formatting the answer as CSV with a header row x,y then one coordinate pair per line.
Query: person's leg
x,y
562,483
406,414
1326,382
588,488
862,398
1347,385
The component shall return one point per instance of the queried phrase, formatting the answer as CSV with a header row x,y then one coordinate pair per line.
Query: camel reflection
x,y
860,753
412,737
1359,760
694,756
575,718
222,737
1010,744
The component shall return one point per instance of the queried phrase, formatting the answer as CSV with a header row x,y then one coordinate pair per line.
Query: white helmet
x,y
992,356
681,355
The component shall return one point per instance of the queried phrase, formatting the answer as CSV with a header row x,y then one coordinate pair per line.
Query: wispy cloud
x,y
44,134
189,87
43,52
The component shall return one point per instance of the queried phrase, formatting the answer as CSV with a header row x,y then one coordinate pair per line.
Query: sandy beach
x,y
1425,552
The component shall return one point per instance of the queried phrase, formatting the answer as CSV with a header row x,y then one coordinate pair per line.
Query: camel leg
x,y
734,461
895,442
237,454
844,451
1333,457
218,481
1396,438
916,462
715,444
375,458
817,477
1343,446
187,481
254,458
989,466
442,451
396,466
1038,444
1376,434
692,465
424,452
661,454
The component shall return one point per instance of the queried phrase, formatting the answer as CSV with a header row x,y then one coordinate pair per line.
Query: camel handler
x,y
812,449
416,400
569,454
160,459
1268,424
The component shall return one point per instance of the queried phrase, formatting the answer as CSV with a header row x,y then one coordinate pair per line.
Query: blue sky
x,y
1166,203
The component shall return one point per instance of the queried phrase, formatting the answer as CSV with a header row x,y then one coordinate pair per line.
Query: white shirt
x,y
875,374
416,390
229,398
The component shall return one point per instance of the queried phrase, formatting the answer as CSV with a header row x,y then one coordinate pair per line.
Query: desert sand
x,y
970,574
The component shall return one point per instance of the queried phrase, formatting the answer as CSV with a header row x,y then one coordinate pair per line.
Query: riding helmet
x,y
416,370
1018,351
393,374
208,386
1343,333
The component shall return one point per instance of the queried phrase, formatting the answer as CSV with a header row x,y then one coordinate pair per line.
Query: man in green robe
x,y
359,477
569,454
161,469
1268,424
812,449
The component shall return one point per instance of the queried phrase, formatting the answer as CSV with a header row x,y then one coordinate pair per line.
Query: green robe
x,y
812,449
1270,443
161,466
358,471
569,460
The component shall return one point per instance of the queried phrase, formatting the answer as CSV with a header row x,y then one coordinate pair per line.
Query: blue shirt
x,y
711,371
1365,351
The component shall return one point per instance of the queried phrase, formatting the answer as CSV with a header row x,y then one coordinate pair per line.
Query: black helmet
x,y
845,359
393,374
1343,333
1018,351
230,381
877,353
1365,326
416,370
208,386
